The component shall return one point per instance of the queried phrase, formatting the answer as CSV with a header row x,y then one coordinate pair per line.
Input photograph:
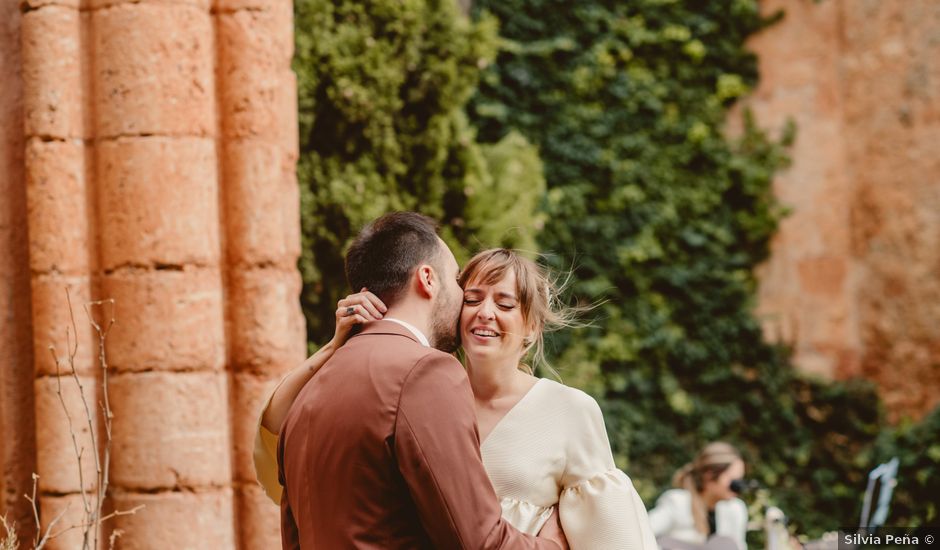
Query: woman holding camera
x,y
704,502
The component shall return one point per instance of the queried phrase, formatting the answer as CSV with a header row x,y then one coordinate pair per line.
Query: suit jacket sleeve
x,y
438,451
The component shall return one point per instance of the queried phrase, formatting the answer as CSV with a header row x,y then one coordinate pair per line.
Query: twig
x,y
105,468
79,450
93,516
103,519
41,539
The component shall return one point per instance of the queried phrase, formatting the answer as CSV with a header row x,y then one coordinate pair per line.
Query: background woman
x,y
543,444
703,503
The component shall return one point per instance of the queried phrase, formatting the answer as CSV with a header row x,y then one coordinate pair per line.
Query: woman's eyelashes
x,y
503,306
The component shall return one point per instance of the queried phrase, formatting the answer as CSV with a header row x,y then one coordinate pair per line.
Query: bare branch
x,y
92,500
86,525
32,501
49,536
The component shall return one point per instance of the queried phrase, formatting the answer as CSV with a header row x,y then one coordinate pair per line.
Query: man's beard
x,y
444,325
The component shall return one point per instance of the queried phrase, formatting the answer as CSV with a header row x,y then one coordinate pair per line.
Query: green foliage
x,y
917,446
382,87
666,217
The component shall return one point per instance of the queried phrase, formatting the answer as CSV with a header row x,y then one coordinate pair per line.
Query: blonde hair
x,y
538,295
707,465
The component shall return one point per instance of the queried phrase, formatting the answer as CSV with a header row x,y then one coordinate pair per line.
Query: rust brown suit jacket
x,y
382,451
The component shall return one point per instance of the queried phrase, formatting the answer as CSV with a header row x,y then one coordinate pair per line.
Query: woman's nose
x,y
486,311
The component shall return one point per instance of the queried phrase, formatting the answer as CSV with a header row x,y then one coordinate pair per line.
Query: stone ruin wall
x,y
149,153
853,282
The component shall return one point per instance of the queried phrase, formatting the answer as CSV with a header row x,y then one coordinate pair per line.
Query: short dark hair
x,y
387,251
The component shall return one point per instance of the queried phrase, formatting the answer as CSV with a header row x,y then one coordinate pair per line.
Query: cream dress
x,y
550,449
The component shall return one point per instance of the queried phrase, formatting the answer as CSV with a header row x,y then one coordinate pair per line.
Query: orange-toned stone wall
x,y
17,427
853,282
149,155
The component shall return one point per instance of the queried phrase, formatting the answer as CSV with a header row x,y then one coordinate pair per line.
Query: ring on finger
x,y
350,310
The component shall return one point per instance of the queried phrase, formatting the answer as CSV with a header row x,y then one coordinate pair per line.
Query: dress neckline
x,y
499,422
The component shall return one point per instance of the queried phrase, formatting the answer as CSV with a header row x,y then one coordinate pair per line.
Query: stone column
x,y
160,147
160,260
257,92
17,429
58,216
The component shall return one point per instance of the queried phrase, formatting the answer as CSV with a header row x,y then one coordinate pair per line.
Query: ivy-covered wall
x,y
665,218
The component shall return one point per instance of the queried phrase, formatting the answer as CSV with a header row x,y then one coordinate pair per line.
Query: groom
x,y
383,451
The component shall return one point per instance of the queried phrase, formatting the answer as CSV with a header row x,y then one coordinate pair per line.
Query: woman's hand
x,y
360,308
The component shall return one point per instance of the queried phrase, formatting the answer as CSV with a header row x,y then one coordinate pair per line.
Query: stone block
x,y
266,326
57,458
194,521
69,511
259,519
158,202
262,205
52,72
260,106
249,394
53,325
166,320
57,206
170,431
153,71
292,217
258,96
257,36
289,125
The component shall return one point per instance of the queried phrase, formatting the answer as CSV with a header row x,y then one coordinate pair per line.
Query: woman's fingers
x,y
363,303
343,317
356,310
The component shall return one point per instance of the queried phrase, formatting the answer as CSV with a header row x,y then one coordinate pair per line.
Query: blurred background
x,y
750,191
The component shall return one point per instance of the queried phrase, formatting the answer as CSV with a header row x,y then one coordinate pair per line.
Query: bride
x,y
543,444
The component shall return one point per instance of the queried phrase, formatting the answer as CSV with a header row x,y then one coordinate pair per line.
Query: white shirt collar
x,y
418,334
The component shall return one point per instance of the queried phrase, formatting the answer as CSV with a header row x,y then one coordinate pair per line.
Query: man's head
x,y
400,259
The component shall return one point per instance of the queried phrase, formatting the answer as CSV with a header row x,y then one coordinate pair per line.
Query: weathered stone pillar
x,y
59,220
257,93
17,428
125,153
160,260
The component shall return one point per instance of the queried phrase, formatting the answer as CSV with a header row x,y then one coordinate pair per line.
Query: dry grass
x,y
9,540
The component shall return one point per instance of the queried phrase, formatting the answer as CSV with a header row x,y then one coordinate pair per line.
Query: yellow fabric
x,y
265,454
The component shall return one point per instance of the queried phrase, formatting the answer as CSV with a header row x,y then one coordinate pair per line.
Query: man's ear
x,y
426,280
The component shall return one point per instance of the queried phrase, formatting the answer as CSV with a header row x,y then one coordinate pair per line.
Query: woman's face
x,y
491,323
721,486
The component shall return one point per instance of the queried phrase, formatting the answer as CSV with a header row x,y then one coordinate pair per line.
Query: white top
x,y
550,449
672,517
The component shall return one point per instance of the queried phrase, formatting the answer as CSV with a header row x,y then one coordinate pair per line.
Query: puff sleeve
x,y
599,508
